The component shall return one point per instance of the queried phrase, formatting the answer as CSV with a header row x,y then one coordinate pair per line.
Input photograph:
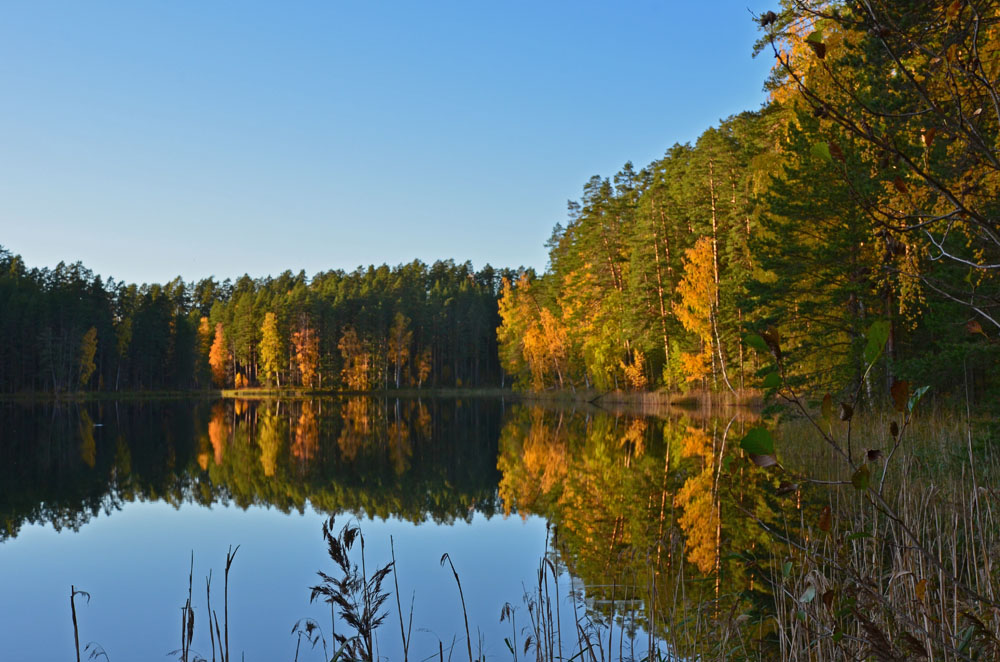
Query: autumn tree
x,y
696,307
357,361
219,357
270,349
306,346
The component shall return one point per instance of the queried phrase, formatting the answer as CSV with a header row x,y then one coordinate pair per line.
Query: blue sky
x,y
156,139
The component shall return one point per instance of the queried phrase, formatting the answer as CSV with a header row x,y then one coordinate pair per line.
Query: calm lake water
x,y
114,498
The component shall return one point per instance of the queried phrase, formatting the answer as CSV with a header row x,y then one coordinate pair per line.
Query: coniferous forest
x,y
865,191
412,325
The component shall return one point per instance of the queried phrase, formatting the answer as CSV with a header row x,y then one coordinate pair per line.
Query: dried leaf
x,y
927,136
825,519
764,460
900,392
954,9
873,455
828,599
787,488
894,429
846,411
836,151
973,326
900,184
773,340
921,589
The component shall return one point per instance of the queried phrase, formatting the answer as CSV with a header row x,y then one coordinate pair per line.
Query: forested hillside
x,y
416,325
867,189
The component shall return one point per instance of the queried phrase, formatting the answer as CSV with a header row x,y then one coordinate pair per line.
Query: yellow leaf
x,y
954,9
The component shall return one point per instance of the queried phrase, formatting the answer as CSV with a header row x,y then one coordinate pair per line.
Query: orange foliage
x,y
218,431
306,345
218,357
306,433
357,362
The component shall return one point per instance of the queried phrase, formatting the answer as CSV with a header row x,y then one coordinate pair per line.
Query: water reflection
x,y
650,513
411,459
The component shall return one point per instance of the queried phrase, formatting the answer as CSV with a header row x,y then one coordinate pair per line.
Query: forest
x,y
865,191
412,325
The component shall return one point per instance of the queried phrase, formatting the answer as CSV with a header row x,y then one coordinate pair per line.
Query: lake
x,y
122,499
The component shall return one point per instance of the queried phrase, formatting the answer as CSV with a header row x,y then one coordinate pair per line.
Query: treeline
x,y
865,190
413,325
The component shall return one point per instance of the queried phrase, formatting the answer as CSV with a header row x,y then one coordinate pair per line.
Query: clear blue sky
x,y
156,139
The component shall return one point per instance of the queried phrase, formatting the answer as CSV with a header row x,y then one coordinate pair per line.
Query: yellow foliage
x,y
696,365
635,373
635,436
269,440
700,519
697,443
355,372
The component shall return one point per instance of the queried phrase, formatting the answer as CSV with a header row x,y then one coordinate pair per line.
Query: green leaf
x,y
862,478
756,342
808,595
878,334
758,441
786,568
822,151
816,37
773,380
915,398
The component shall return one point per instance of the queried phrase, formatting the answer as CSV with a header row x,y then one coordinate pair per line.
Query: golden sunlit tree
x,y
270,349
306,345
357,362
696,308
218,356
